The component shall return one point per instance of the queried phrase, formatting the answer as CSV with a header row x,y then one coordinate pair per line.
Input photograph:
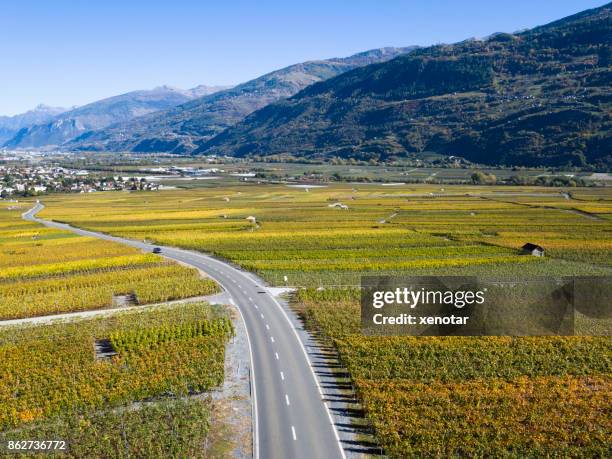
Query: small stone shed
x,y
533,249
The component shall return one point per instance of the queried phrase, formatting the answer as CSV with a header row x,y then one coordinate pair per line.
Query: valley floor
x,y
420,396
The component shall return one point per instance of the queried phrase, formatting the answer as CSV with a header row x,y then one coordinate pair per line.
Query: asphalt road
x,y
291,419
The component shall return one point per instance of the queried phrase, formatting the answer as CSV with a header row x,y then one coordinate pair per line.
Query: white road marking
x,y
293,433
272,338
314,376
262,316
256,307
287,400
267,327
276,355
331,421
282,376
250,299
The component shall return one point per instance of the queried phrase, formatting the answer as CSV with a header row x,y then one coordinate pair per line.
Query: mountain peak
x,y
166,87
47,108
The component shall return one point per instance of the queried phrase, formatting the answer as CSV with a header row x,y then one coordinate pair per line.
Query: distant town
x,y
33,173
36,180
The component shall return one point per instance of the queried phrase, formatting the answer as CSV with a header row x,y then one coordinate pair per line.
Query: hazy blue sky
x,y
65,53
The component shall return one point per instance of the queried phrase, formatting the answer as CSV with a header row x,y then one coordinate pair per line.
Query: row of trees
x,y
482,178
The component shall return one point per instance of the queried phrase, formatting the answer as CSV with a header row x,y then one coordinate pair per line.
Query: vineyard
x,y
52,381
393,230
432,397
153,430
522,417
47,271
136,340
468,396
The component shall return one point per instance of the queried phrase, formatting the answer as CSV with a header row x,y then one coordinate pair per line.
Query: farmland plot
x,y
47,271
148,398
433,397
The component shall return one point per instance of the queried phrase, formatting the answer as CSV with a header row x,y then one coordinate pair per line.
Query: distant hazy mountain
x,y
182,128
63,127
9,125
540,97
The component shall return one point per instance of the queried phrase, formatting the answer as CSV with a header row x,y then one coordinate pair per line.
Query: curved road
x,y
290,419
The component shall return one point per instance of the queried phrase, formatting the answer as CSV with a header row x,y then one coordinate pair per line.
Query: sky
x,y
65,53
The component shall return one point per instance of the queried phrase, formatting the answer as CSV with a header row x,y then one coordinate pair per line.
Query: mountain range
x,y
539,97
182,128
57,128
10,125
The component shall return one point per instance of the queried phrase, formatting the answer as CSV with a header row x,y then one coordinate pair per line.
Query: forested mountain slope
x,y
540,97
